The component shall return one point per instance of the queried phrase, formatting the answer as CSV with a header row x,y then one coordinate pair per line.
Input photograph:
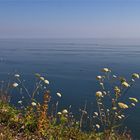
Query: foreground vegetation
x,y
42,121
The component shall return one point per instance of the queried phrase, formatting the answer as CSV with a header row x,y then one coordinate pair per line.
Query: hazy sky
x,y
70,18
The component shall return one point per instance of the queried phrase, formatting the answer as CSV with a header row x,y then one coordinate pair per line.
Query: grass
x,y
39,121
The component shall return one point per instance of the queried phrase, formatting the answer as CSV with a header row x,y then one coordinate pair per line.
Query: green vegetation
x,y
41,121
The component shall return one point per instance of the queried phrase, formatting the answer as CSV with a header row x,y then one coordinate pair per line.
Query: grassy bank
x,y
44,121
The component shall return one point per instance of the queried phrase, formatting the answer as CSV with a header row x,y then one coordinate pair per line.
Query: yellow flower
x,y
133,99
125,84
122,105
99,94
135,76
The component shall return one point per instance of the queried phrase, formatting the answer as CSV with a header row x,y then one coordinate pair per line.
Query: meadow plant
x,y
39,120
113,100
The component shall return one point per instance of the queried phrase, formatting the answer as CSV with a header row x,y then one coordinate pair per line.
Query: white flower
x,y
33,104
42,78
119,117
46,82
114,76
99,94
58,94
102,84
125,84
133,104
17,75
133,99
97,125
135,76
15,84
105,70
96,113
122,116
99,77
65,111
20,102
59,113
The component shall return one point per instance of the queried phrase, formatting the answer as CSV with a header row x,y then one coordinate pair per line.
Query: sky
x,y
69,18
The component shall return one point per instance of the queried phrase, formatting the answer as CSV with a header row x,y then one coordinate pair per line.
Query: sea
x,y
71,66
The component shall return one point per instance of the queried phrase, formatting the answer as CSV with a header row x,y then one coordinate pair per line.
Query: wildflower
x,y
114,76
105,70
96,113
65,111
20,102
84,112
114,108
122,105
58,94
133,104
97,125
37,75
42,78
15,84
17,75
117,90
59,113
116,113
125,84
101,84
119,117
135,76
133,99
46,81
107,110
99,77
99,94
33,104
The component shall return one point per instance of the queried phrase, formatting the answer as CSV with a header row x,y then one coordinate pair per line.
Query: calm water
x,y
72,65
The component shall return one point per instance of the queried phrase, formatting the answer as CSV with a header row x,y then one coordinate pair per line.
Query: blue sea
x,y
71,66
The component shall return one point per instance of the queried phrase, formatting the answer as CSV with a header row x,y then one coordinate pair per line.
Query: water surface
x,y
71,66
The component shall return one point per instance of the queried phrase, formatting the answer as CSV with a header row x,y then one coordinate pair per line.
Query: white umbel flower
x,y
17,75
20,102
42,78
97,125
58,94
15,84
59,113
99,94
65,111
46,82
96,113
33,104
